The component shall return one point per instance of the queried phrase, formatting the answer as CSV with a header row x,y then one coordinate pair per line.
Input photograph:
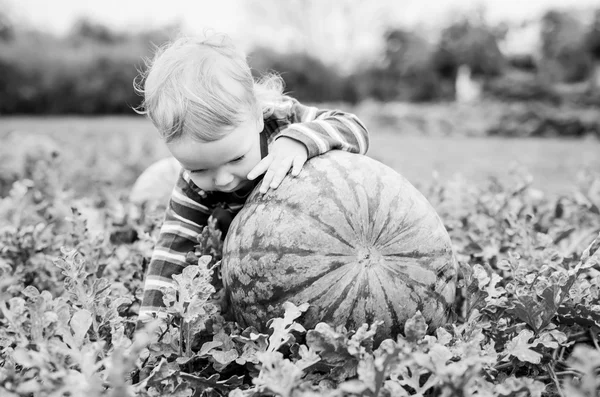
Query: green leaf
x,y
415,327
436,358
367,373
591,255
527,309
395,389
308,357
223,358
513,386
28,387
23,357
333,349
586,361
277,375
444,337
355,386
586,316
80,324
160,373
282,327
476,298
331,346
551,339
208,346
520,348
538,313
201,382
252,343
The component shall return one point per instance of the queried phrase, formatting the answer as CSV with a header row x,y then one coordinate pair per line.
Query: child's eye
x,y
232,161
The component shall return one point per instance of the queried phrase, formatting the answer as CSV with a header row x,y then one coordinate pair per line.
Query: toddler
x,y
230,133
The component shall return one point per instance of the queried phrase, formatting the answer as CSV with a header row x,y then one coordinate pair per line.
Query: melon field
x,y
523,216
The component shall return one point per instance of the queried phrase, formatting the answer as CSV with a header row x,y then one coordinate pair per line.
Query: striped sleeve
x,y
324,130
184,219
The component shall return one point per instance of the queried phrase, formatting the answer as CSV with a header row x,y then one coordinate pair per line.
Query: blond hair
x,y
202,87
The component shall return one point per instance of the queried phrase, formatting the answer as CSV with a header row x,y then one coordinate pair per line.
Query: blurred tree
x,y
85,29
156,37
592,45
524,62
406,51
564,57
472,43
44,74
406,73
6,26
306,78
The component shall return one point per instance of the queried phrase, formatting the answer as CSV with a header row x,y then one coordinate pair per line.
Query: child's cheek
x,y
201,181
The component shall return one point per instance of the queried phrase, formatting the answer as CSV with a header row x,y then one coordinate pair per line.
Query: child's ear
x,y
260,122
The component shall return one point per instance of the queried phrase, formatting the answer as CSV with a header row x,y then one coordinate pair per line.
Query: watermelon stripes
x,y
351,237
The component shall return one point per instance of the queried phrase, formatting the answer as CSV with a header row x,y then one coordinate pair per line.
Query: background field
x,y
116,149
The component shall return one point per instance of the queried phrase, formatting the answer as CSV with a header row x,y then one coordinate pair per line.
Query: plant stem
x,y
577,335
555,379
565,373
594,339
582,238
181,339
504,366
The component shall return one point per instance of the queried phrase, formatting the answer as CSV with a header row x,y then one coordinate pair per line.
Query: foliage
x,y
71,269
86,29
472,43
6,27
484,118
592,38
306,77
515,86
90,71
564,56
541,119
406,74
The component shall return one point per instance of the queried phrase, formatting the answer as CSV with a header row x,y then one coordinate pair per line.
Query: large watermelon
x,y
156,183
351,237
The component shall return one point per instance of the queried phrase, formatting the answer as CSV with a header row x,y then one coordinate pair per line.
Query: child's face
x,y
221,165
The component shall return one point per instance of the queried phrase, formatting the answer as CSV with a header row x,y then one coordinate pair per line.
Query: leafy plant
x,y
71,270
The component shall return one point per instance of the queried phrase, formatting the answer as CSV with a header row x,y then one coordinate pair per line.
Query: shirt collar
x,y
264,146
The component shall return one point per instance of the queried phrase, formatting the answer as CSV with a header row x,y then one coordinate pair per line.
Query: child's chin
x,y
230,190
243,185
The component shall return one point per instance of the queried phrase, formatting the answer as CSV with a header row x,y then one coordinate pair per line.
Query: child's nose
x,y
222,178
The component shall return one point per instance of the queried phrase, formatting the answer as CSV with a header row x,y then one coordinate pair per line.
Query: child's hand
x,y
285,153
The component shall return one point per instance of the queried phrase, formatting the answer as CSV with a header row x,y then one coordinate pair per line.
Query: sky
x,y
333,29
58,15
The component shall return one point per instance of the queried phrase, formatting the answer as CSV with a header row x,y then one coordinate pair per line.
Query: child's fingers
x,y
281,170
264,185
260,168
297,165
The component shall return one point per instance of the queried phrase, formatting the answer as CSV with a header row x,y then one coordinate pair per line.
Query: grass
x,y
553,163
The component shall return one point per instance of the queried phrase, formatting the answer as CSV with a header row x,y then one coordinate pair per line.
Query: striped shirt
x,y
190,207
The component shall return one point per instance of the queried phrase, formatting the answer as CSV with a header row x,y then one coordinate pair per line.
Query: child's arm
x,y
302,132
184,219
322,130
